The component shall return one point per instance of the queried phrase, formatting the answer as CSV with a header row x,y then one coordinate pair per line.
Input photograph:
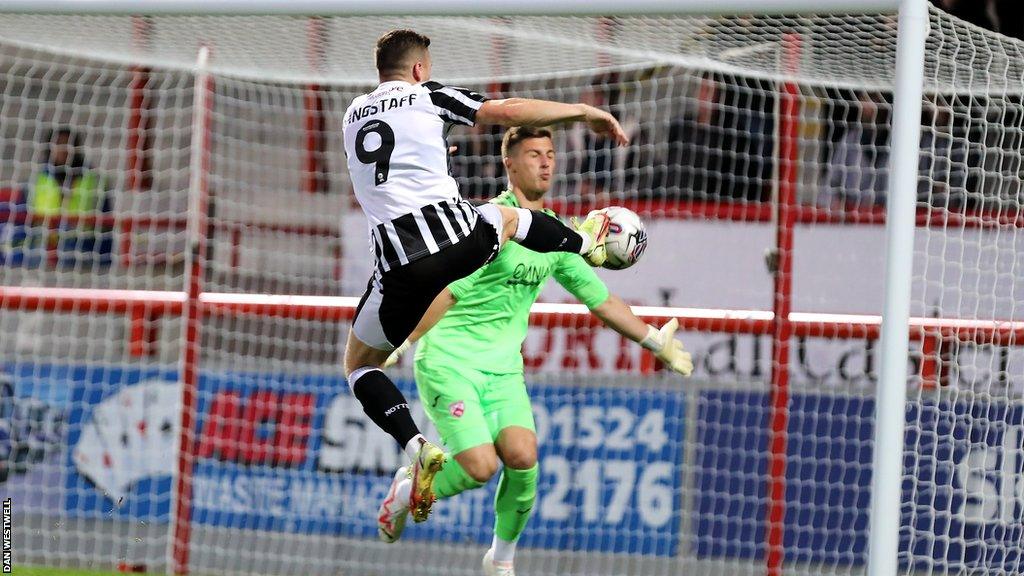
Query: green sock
x,y
453,479
517,491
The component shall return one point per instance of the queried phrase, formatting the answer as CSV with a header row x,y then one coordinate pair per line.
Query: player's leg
x,y
451,398
369,343
517,491
382,401
542,232
509,412
468,469
451,401
395,302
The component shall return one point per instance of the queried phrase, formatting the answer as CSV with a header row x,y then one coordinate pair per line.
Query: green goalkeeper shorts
x,y
470,407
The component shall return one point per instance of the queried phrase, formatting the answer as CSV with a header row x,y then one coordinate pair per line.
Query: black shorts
x,y
395,300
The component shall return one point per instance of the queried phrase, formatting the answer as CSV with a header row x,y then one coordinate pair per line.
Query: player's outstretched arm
x,y
530,112
444,301
619,317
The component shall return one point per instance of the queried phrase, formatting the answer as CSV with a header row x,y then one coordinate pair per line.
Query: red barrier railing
x,y
158,303
127,225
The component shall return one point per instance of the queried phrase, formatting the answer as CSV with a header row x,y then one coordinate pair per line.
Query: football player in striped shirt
x,y
423,234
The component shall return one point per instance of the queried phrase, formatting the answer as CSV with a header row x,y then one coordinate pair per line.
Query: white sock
x,y
525,219
585,247
503,551
412,447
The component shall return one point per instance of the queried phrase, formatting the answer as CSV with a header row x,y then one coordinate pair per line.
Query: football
x,y
627,238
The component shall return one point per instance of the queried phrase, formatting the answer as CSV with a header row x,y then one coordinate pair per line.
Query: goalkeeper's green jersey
x,y
486,327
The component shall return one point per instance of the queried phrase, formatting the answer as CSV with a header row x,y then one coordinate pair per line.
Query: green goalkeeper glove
x,y
396,354
667,349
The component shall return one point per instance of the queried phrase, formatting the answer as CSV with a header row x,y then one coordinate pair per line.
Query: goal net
x,y
181,255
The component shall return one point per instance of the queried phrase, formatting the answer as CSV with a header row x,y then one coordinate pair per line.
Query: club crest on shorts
x,y
457,408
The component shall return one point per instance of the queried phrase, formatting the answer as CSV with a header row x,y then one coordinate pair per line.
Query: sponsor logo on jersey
x,y
457,409
528,275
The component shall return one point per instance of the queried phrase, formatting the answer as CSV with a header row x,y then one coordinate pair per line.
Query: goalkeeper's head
x,y
529,157
403,55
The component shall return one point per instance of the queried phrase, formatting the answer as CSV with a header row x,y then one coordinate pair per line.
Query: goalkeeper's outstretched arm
x,y
530,112
444,301
617,315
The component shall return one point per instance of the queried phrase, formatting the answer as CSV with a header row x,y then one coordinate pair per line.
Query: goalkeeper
x,y
469,367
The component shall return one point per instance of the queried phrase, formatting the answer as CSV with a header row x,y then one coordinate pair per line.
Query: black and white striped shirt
x,y
421,232
395,140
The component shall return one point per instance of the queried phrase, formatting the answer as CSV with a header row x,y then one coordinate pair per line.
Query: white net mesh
x,y
730,119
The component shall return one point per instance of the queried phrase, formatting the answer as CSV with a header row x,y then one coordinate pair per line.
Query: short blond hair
x,y
516,134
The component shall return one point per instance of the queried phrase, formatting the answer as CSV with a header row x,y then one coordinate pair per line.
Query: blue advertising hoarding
x,y
963,488
828,476
963,495
296,453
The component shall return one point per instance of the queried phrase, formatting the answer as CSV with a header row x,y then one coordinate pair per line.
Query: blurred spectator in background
x,y
694,166
996,159
62,202
476,162
596,169
721,144
942,174
857,172
591,158
748,113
